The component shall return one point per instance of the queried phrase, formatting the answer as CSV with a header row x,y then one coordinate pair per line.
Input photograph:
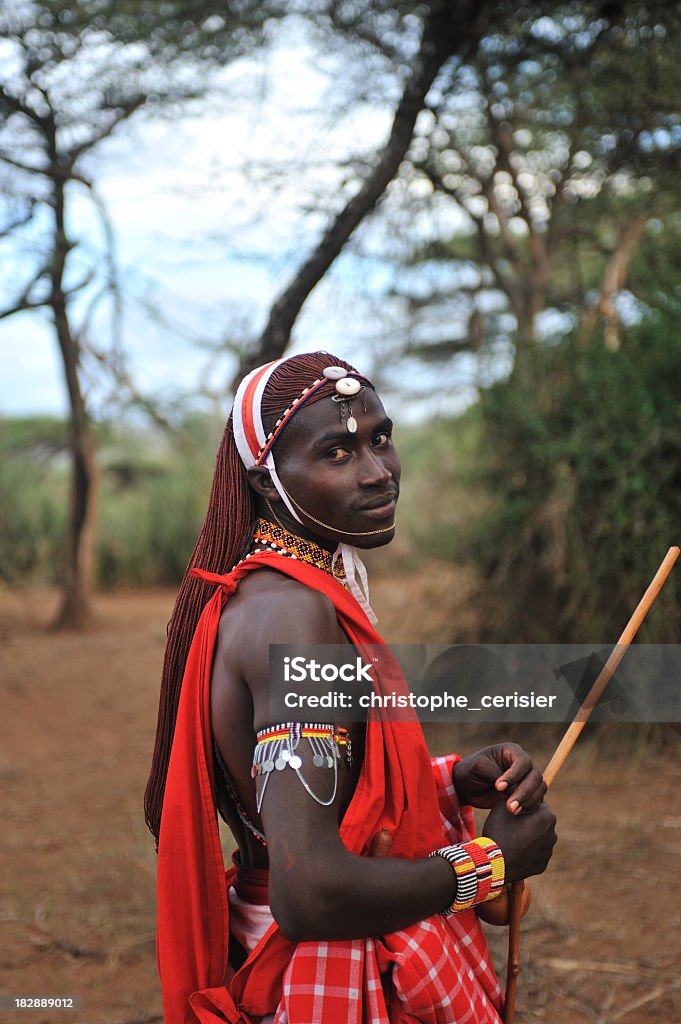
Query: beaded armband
x,y
279,747
480,872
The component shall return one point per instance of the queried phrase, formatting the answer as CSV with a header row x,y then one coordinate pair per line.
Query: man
x,y
352,894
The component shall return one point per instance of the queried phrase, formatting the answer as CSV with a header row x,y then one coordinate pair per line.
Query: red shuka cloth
x,y
440,968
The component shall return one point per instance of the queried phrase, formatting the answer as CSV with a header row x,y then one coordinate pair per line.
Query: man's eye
x,y
382,439
336,454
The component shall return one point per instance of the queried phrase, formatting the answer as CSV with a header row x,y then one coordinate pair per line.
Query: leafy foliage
x,y
33,488
586,470
532,176
153,502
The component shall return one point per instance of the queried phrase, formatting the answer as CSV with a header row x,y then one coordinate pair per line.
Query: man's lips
x,y
382,505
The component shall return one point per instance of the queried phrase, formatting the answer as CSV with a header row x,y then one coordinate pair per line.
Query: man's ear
x,y
260,480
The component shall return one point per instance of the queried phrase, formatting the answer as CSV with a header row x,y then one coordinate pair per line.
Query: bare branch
x,y
18,222
26,168
117,370
449,27
488,257
113,281
24,301
83,283
122,113
20,307
11,104
358,30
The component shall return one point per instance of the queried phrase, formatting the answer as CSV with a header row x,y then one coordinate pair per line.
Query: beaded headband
x,y
252,443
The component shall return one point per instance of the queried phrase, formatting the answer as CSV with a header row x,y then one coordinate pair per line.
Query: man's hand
x,y
526,842
495,772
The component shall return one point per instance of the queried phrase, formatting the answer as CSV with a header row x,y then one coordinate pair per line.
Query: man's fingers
x,y
519,768
529,794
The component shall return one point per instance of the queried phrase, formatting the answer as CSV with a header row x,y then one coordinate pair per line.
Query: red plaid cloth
x,y
437,972
434,972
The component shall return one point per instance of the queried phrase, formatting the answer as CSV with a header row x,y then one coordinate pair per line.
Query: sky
x,y
201,237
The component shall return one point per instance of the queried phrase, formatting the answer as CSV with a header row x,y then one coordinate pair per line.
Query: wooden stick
x,y
513,963
608,670
560,756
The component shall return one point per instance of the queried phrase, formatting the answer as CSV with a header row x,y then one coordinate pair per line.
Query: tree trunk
x,y
79,567
526,309
613,281
450,29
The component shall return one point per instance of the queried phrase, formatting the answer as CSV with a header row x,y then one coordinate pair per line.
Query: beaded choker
x,y
291,546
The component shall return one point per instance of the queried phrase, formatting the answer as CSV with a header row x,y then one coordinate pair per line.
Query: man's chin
x,y
376,540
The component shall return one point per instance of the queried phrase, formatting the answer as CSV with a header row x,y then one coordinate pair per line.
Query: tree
x,y
590,473
73,74
530,139
507,114
448,28
550,149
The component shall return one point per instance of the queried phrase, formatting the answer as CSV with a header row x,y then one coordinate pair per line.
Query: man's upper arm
x,y
292,615
300,808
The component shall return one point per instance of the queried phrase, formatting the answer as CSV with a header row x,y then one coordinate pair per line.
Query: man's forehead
x,y
324,416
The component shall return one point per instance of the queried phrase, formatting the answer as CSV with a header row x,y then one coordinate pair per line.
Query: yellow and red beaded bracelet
x,y
479,869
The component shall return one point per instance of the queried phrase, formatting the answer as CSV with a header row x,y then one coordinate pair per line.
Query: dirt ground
x,y
602,942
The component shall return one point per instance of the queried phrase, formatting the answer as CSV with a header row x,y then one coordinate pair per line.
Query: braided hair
x,y
224,539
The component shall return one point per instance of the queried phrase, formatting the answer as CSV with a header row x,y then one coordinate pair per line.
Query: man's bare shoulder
x,y
272,608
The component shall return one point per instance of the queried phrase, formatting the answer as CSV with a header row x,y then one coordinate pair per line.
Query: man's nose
x,y
373,470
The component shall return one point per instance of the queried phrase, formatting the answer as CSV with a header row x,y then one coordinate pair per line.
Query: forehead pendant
x,y
347,388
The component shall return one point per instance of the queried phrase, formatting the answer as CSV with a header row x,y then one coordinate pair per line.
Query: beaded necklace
x,y
290,545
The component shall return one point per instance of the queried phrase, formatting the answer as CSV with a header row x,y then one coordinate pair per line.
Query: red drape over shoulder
x,y
396,790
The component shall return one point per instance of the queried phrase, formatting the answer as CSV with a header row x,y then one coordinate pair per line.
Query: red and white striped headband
x,y
253,443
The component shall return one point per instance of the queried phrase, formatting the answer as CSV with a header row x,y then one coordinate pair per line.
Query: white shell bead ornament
x,y
347,386
352,425
335,372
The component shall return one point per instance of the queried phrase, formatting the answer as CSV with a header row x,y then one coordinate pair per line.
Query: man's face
x,y
348,481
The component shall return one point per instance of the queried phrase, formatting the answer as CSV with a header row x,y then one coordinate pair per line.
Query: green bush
x,y
33,498
153,498
147,529
585,468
